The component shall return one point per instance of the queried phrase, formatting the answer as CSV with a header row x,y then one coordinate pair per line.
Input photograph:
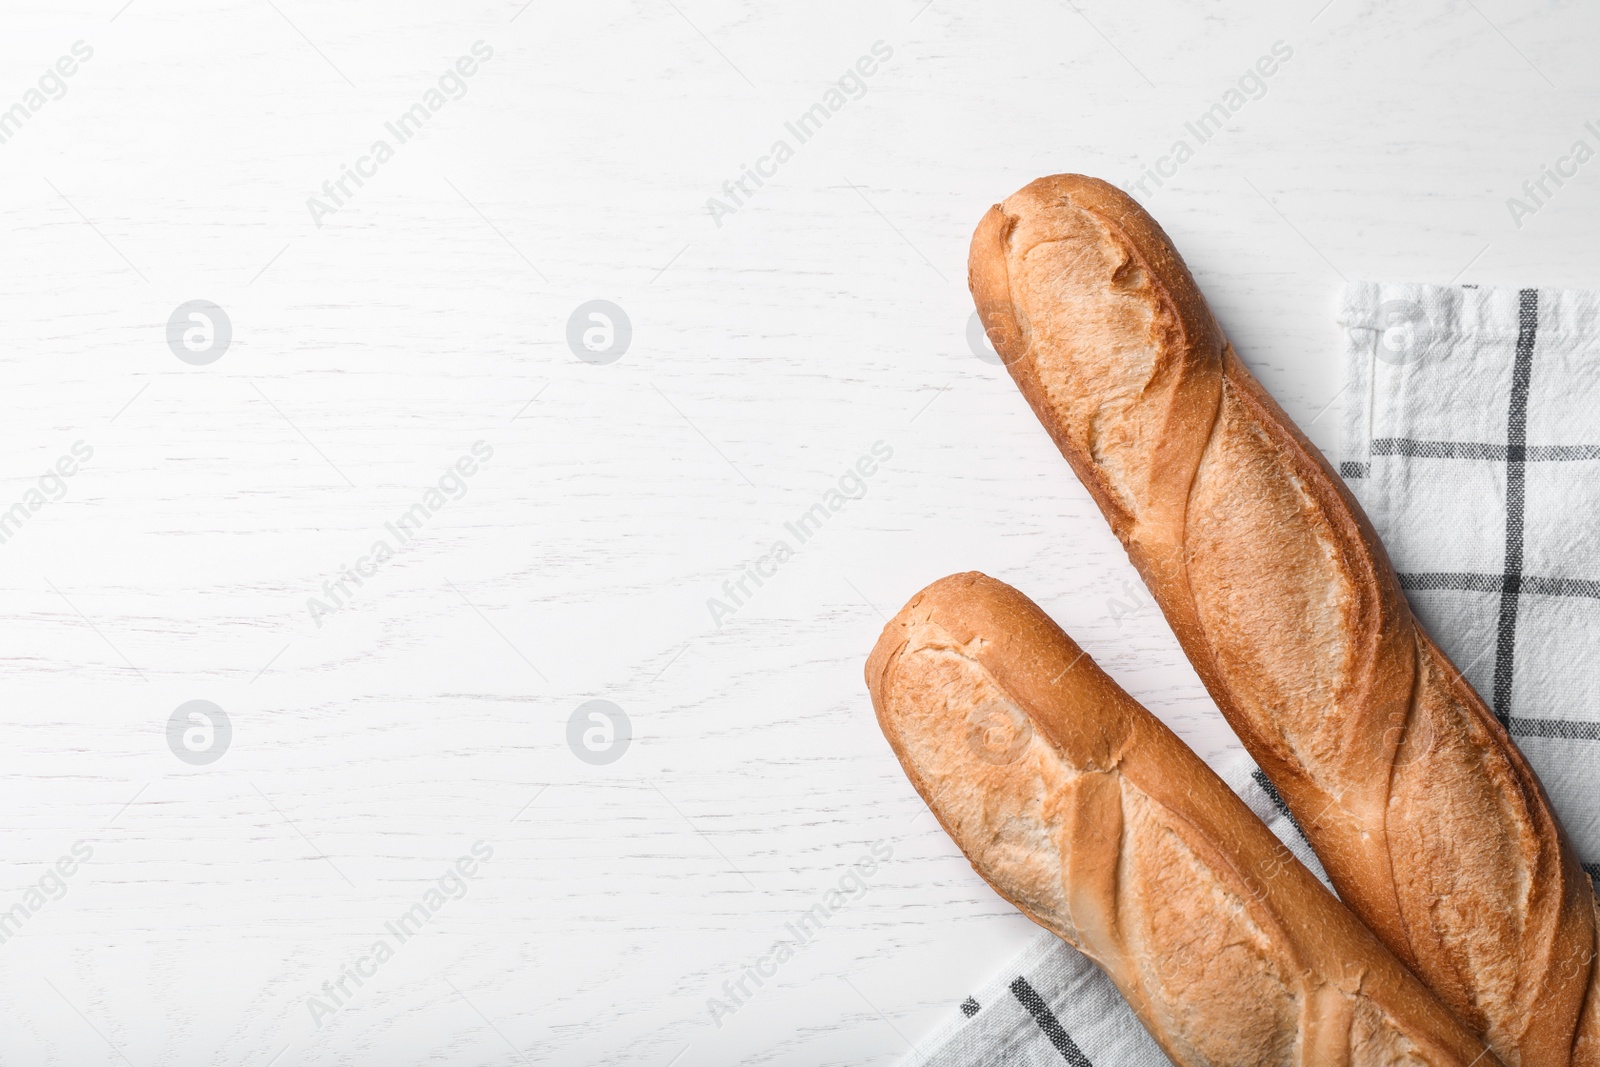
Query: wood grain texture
x,y
769,353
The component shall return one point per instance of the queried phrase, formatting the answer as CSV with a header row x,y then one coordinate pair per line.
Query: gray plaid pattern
x,y
1471,437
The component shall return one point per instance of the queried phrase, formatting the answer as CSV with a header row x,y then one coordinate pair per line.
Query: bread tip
x,y
892,638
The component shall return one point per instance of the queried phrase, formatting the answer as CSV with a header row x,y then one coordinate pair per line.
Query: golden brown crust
x,y
1082,809
1428,820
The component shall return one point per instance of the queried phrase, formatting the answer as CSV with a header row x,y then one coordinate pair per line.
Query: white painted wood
x,y
768,354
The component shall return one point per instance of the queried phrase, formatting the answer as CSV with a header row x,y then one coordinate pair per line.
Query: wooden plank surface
x,y
775,340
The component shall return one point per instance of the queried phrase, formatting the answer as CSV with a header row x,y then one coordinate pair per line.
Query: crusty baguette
x,y
1095,820
1426,817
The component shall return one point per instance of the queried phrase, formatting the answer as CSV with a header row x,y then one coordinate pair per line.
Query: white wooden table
x,y
774,341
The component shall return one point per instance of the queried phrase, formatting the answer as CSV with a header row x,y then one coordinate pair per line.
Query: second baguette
x,y
1095,820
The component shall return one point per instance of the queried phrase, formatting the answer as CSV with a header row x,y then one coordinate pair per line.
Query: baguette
x,y
1428,820
1083,810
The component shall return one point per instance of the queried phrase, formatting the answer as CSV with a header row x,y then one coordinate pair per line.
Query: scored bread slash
x,y
1429,822
1082,809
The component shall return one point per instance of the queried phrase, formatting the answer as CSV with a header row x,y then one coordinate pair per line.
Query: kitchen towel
x,y
1471,437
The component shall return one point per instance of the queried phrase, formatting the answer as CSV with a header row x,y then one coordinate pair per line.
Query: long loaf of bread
x,y
1428,820
1095,820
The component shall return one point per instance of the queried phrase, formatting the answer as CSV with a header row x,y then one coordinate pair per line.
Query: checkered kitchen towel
x,y
1472,438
